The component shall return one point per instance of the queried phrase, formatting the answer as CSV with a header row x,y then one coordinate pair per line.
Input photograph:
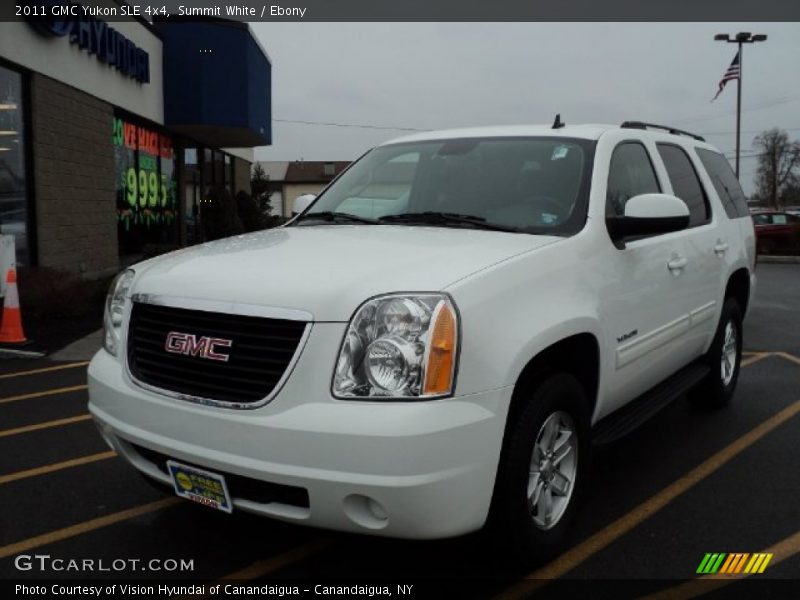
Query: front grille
x,y
245,488
259,353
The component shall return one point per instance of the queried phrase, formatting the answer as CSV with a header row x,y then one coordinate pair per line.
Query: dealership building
x,y
112,134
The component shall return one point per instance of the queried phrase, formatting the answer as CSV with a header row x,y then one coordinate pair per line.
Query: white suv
x,y
435,344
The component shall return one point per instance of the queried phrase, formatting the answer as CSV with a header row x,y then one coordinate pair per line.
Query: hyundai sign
x,y
60,18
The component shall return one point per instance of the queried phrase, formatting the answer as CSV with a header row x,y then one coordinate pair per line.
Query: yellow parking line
x,y
705,584
789,357
271,564
85,527
45,370
603,538
754,357
46,425
54,392
67,464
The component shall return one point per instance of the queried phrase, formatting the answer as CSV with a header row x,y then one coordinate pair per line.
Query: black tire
x,y
511,525
717,390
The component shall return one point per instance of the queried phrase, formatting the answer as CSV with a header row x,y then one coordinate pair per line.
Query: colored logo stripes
x,y
735,562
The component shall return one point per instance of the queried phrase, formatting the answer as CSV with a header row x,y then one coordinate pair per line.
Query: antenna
x,y
557,124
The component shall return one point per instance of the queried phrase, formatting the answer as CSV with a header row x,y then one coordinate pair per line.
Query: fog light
x,y
365,511
376,509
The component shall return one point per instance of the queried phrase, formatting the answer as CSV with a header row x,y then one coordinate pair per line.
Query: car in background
x,y
777,232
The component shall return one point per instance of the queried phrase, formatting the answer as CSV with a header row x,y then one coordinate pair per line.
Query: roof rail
x,y
672,130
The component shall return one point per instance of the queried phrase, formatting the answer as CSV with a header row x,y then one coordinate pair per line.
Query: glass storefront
x,y
146,187
192,186
13,192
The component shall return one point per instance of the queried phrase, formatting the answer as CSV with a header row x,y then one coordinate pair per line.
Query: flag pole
x,y
739,109
740,39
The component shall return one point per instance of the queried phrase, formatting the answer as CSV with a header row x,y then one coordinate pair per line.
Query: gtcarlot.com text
x,y
47,563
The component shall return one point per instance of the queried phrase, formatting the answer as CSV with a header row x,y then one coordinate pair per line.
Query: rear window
x,y
725,183
685,183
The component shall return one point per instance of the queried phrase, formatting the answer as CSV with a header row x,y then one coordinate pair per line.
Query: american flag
x,y
731,74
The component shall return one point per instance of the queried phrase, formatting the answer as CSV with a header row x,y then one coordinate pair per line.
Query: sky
x,y
445,75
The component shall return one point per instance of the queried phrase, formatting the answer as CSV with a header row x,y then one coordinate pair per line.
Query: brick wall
x,y
74,175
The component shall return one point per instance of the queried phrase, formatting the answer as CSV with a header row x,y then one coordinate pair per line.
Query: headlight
x,y
399,346
115,310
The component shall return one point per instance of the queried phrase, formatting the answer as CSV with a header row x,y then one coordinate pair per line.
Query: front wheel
x,y
724,358
542,467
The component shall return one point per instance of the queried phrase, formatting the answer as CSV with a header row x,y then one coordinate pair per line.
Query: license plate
x,y
201,486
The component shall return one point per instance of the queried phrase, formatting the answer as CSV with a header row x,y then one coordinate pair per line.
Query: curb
x,y
768,258
20,353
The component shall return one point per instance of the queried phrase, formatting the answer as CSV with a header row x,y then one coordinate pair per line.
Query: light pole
x,y
740,38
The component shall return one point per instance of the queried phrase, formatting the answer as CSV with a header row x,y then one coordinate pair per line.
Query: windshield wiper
x,y
446,218
336,217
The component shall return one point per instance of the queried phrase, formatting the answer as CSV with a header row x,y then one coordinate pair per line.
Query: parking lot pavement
x,y
773,322
687,483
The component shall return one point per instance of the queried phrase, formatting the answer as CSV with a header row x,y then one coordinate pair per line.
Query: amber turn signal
x,y
440,366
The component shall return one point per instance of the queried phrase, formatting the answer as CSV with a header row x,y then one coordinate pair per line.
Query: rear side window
x,y
761,219
685,183
725,182
630,173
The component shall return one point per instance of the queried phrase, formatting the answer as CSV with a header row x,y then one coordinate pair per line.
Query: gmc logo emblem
x,y
190,345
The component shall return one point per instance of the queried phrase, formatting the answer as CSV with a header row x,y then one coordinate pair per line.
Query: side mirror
x,y
302,202
648,214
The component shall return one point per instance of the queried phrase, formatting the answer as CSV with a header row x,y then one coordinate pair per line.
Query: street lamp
x,y
743,37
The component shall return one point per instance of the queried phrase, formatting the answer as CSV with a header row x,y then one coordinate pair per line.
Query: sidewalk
x,y
82,349
770,258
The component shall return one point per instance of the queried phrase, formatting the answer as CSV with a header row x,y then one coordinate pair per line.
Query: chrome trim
x,y
232,308
703,313
638,347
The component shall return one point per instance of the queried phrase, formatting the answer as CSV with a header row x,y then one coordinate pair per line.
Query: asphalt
x,y
626,540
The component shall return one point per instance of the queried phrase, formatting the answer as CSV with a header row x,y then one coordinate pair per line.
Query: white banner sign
x,y
8,259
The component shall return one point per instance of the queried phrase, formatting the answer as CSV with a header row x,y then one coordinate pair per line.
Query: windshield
x,y
533,185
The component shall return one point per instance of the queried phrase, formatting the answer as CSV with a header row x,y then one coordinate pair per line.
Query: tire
x,y
514,527
717,389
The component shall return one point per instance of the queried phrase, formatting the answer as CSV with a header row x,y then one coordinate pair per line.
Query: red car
x,y
777,232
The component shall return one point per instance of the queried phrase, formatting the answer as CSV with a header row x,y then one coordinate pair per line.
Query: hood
x,y
328,270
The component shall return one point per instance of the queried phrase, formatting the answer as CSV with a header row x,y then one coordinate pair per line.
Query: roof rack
x,y
672,130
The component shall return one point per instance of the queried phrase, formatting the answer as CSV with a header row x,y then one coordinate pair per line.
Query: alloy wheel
x,y
553,468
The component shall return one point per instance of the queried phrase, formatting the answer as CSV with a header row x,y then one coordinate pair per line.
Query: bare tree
x,y
778,165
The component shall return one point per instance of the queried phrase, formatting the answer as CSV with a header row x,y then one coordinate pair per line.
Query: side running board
x,y
635,413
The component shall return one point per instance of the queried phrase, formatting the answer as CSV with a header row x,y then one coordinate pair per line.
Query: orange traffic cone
x,y
11,329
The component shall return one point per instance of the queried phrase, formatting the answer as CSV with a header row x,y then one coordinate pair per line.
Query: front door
x,y
645,301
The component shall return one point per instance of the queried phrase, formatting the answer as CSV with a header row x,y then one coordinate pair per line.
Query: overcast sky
x,y
438,76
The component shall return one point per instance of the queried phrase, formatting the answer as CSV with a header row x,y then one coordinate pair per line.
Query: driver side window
x,y
630,173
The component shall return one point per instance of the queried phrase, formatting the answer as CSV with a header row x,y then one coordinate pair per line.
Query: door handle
x,y
677,264
720,247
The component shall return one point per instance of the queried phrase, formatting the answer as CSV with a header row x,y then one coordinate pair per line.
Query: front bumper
x,y
410,470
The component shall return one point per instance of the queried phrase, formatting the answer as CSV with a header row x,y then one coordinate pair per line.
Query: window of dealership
x,y
14,207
